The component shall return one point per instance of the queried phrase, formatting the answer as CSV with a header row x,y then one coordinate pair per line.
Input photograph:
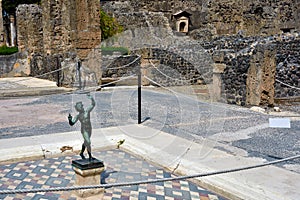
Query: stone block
x,y
219,68
88,173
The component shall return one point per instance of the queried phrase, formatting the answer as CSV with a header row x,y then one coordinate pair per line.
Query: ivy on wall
x,y
109,26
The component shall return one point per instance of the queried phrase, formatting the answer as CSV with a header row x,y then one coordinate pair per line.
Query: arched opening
x,y
182,26
182,21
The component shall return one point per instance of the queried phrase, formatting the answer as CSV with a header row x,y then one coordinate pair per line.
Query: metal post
x,y
79,74
58,72
139,96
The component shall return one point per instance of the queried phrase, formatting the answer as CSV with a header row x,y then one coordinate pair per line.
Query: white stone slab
x,y
279,123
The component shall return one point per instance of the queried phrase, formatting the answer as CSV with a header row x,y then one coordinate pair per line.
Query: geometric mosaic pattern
x,y
120,167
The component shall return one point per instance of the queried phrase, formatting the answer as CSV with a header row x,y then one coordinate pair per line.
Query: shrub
x,y
109,26
111,50
4,50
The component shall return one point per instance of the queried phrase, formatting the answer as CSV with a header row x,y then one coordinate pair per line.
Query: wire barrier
x,y
41,75
172,78
60,69
287,84
107,84
124,184
127,65
168,89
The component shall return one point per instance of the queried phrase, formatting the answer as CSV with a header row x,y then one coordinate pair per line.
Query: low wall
x,y
7,63
164,67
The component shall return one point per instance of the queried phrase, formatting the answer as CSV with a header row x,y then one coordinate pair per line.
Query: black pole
x,y
79,73
139,96
58,71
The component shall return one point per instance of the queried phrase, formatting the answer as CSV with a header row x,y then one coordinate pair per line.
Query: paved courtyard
x,y
120,167
233,133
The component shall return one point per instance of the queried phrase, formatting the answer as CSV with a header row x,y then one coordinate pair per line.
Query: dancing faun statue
x,y
86,127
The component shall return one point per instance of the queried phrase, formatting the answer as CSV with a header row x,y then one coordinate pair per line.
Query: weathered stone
x,y
60,29
219,68
88,177
7,63
219,17
261,78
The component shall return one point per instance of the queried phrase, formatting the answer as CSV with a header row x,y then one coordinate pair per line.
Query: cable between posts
x,y
38,76
60,69
123,66
124,184
287,84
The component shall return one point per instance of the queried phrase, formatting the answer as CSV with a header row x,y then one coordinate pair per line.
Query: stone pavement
x,y
168,152
174,154
28,86
120,167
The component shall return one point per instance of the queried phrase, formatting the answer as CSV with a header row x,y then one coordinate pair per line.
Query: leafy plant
x,y
109,26
4,50
111,50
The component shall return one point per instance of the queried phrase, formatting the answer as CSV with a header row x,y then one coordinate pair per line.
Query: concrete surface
x,y
28,86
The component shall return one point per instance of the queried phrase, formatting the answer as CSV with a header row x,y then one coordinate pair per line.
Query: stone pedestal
x,y
88,173
217,81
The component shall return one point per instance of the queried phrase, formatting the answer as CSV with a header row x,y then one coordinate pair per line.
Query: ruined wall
x,y
30,30
288,69
120,66
56,25
162,66
254,17
7,63
59,34
261,76
254,65
218,17
249,79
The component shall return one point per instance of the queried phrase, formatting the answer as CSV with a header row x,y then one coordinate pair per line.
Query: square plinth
x,y
88,173
85,164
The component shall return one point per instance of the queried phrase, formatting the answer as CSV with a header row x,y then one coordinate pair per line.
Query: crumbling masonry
x,y
60,34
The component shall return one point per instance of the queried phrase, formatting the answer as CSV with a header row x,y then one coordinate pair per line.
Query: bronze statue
x,y
86,127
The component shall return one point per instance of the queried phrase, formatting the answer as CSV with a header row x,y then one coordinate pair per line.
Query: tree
x,y
108,25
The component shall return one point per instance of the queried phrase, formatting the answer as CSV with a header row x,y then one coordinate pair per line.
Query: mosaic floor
x,y
120,167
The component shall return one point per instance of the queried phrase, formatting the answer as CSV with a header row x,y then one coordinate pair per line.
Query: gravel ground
x,y
170,112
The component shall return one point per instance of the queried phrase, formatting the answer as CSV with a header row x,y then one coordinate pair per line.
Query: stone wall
x,y
7,63
60,34
245,68
164,67
261,76
173,70
30,30
249,79
234,80
120,66
253,17
56,24
218,17
254,65
288,69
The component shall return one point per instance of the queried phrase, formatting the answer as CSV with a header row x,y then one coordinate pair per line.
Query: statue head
x,y
79,106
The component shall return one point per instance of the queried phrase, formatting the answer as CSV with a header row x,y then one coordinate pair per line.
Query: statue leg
x,y
82,151
87,143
